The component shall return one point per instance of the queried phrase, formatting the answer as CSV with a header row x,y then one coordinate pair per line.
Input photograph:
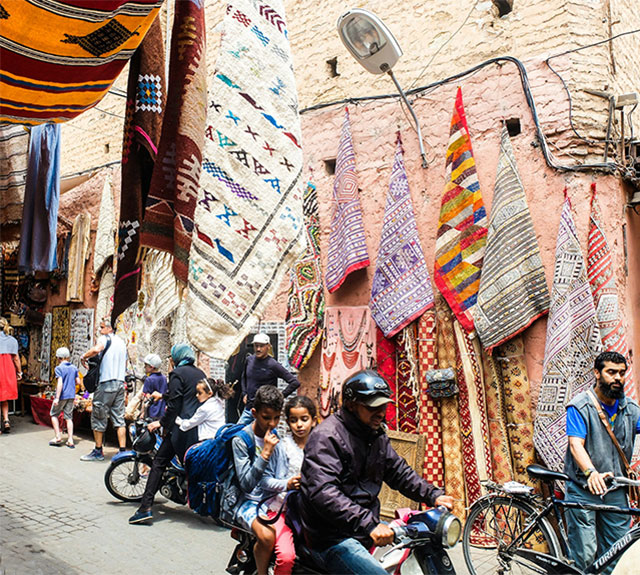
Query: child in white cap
x,y
67,377
155,386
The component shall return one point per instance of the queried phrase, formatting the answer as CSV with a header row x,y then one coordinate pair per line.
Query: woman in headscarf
x,y
10,371
181,401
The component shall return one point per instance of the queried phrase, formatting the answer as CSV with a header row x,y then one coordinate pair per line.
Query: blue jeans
x,y
349,557
591,533
246,418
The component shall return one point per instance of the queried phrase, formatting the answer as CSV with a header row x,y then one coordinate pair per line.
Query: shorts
x,y
246,514
64,405
107,404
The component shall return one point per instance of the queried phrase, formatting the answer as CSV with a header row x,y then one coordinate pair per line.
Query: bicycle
x,y
509,532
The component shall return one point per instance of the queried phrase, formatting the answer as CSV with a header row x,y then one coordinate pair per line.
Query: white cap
x,y
262,338
153,359
62,353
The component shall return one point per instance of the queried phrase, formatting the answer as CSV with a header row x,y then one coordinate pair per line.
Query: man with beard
x,y
591,457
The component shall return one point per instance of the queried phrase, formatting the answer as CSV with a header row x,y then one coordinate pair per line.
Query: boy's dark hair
x,y
268,396
611,356
300,401
218,387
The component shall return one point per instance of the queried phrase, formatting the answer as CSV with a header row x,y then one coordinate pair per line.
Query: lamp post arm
x,y
413,115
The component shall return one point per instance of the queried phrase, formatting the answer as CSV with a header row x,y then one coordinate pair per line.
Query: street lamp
x,y
373,45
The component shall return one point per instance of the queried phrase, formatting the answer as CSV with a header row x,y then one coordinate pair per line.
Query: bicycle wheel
x,y
126,482
492,524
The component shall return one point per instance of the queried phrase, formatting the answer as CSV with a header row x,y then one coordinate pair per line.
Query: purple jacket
x,y
345,464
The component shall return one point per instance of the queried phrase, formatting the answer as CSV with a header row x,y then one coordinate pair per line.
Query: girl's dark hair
x,y
217,387
300,401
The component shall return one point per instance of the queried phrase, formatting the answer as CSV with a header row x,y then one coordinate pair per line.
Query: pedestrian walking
x,y
10,371
67,378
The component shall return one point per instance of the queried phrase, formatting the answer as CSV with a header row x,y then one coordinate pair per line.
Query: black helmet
x,y
145,442
367,387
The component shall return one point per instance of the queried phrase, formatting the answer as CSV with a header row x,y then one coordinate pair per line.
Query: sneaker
x,y
95,455
141,516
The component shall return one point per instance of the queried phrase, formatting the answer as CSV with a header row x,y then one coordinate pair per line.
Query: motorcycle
x,y
127,475
420,546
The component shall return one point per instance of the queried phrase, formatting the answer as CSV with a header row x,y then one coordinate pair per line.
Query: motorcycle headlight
x,y
443,524
451,530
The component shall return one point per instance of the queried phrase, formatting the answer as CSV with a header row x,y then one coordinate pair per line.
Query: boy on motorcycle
x,y
346,460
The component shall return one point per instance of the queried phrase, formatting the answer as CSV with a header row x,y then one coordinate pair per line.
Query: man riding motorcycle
x,y
346,460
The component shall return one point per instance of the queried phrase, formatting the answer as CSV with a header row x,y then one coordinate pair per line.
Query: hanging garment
x,y
573,341
14,155
146,92
45,349
462,232
41,197
14,281
605,294
60,331
349,345
81,334
171,203
105,243
386,367
78,254
513,291
305,303
407,379
104,304
249,225
347,250
401,290
60,57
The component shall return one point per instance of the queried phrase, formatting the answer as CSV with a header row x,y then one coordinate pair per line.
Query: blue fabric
x,y
591,533
156,382
8,344
41,198
68,372
576,426
349,557
182,354
246,418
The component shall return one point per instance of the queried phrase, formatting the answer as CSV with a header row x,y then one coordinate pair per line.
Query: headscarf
x,y
182,354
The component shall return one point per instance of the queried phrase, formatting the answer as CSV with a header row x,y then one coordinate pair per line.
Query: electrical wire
x,y
89,170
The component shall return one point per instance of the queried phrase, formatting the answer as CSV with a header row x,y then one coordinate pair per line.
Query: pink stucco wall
x,y
491,95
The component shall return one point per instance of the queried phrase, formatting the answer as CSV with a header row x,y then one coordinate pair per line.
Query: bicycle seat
x,y
545,474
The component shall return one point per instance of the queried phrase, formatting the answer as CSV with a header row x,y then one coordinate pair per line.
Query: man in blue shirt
x,y
591,457
67,378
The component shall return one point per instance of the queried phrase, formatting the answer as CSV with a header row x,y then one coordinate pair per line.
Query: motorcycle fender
x,y
123,455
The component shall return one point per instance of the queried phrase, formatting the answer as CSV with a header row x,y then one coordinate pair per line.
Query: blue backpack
x,y
212,486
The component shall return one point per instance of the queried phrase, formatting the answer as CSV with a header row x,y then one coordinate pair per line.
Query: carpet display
x,y
80,334
305,302
386,367
602,281
513,291
408,380
78,254
401,290
249,224
171,203
45,349
105,243
60,330
347,250
146,91
14,153
430,427
60,57
462,232
573,341
349,345
41,198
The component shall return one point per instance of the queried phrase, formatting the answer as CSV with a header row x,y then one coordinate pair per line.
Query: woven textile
x,y
45,349
104,304
249,225
146,92
408,381
513,291
430,427
386,367
160,288
105,243
171,203
401,290
454,479
14,150
349,345
602,280
41,198
573,341
80,334
347,245
78,254
462,232
59,57
305,303
60,329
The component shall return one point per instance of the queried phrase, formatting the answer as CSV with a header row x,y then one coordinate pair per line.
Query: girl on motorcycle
x,y
210,416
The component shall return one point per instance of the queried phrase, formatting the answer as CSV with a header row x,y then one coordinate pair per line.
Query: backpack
x,y
92,377
213,488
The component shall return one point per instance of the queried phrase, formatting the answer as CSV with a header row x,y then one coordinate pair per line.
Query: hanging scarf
x,y
78,253
386,367
105,242
347,246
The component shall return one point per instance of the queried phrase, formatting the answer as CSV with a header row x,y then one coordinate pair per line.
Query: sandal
x,y
70,445
56,442
6,426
